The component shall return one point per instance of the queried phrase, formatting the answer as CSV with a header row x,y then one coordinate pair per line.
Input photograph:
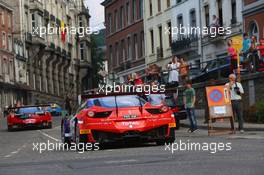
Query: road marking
x,y
47,135
120,161
15,152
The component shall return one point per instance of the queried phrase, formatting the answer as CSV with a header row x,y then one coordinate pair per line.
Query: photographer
x,y
236,91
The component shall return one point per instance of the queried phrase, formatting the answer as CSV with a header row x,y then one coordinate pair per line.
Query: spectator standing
x,y
215,21
260,48
233,57
173,67
189,99
184,70
245,50
236,91
137,79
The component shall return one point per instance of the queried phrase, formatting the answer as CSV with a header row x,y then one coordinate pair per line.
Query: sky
x,y
96,12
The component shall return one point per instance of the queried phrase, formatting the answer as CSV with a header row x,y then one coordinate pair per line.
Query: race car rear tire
x,y
49,125
9,128
169,140
178,123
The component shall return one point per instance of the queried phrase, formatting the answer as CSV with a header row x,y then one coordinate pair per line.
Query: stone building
x,y
124,38
7,76
51,59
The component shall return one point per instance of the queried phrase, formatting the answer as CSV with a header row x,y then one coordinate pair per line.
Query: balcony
x,y
159,53
184,44
19,57
37,40
36,5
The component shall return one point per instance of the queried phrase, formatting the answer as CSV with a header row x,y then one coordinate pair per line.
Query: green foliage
x,y
260,112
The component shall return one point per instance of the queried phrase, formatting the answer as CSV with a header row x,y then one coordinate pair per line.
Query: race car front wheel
x,y
9,128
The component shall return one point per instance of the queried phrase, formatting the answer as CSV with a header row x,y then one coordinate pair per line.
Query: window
x,y
3,18
82,51
142,43
128,48
134,15
115,21
123,54
127,13
111,55
220,12
253,30
4,40
136,46
150,8
180,23
34,25
121,22
160,36
10,43
207,15
116,55
170,35
9,21
193,18
109,23
233,20
168,3
179,1
159,5
140,9
152,41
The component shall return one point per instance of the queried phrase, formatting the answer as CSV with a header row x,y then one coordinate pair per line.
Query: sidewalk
x,y
225,124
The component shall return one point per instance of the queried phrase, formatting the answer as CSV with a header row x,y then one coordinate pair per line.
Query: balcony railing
x,y
184,43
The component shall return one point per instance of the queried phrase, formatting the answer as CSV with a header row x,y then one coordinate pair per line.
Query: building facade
x,y
55,62
253,14
162,21
124,38
229,13
7,75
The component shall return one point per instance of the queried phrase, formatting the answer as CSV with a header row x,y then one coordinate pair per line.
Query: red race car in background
x,y
28,116
102,119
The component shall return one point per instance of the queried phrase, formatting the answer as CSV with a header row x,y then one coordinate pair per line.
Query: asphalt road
x,y
17,156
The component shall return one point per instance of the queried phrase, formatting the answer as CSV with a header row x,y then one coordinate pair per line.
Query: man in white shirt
x,y
236,91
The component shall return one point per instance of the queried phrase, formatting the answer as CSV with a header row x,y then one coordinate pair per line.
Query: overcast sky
x,y
96,12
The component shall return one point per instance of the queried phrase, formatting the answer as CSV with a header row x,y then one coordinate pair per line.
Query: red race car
x,y
119,117
28,116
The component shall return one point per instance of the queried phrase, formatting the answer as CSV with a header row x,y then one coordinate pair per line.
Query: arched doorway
x,y
253,30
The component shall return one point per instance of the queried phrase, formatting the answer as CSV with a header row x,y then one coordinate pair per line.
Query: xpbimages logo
x,y
125,88
51,30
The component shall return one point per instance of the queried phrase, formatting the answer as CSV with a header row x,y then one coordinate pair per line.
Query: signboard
x,y
220,106
237,44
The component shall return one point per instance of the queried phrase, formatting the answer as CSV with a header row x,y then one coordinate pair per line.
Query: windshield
x,y
156,99
120,101
29,110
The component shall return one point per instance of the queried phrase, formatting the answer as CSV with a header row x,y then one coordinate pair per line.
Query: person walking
x,y
173,67
189,99
236,91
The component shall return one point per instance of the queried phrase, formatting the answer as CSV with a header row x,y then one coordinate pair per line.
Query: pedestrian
x,y
233,57
173,68
189,99
184,70
236,91
68,105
